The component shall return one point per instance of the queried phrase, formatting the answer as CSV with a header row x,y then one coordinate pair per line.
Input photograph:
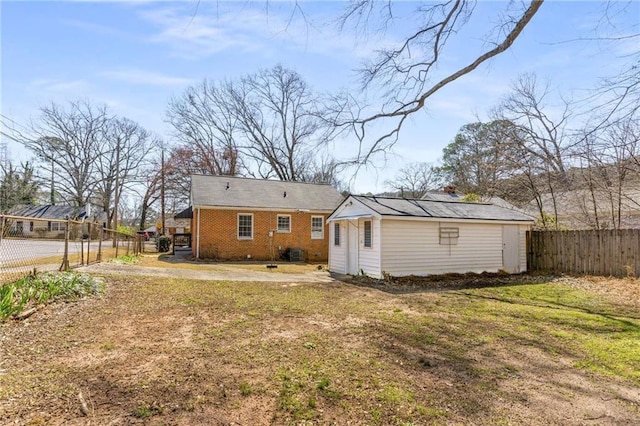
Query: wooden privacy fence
x,y
594,252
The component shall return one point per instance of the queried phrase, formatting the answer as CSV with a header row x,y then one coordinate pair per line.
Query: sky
x,y
135,56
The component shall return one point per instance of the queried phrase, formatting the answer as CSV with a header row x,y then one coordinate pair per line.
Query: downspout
x,y
198,236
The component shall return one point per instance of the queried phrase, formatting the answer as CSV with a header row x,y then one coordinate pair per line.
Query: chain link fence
x,y
29,245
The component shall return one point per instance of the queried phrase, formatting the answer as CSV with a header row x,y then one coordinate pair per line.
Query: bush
x,y
164,243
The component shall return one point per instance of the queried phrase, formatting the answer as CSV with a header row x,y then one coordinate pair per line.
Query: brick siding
x,y
219,235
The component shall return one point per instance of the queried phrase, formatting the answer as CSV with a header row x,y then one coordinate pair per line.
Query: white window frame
x,y
364,234
317,235
238,227
282,231
59,226
337,234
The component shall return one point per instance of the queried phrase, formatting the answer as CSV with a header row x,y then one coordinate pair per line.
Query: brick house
x,y
239,219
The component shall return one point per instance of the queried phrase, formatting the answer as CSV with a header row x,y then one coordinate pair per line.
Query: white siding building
x,y
397,236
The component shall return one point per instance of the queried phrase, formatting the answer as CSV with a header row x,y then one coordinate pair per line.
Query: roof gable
x,y
234,192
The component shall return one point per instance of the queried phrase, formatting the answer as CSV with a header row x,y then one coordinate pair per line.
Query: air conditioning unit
x,y
296,255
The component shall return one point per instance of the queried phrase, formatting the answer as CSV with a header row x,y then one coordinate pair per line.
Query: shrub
x,y
164,243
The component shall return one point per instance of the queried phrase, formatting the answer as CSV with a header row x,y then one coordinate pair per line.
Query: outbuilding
x,y
376,236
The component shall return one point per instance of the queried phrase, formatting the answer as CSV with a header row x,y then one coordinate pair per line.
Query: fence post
x,y
99,256
65,258
1,227
81,243
88,242
115,238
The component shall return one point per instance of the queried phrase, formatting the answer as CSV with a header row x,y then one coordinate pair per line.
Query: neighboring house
x,y
49,221
239,218
584,209
397,236
180,223
450,194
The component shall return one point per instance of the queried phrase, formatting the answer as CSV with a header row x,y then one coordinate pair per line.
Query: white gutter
x,y
198,236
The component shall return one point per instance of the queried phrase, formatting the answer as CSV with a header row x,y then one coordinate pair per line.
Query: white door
x,y
510,249
352,247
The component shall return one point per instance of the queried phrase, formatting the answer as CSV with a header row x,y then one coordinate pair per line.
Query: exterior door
x,y
352,247
510,249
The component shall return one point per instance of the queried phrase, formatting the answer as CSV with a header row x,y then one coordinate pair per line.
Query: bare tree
x,y
69,141
544,144
415,179
408,71
279,118
205,124
546,134
267,124
610,169
118,167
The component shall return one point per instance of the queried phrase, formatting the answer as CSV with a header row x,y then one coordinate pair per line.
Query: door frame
x,y
511,248
353,249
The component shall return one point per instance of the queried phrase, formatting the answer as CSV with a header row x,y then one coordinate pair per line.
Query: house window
x,y
367,234
336,234
284,223
31,226
449,236
245,226
58,226
317,227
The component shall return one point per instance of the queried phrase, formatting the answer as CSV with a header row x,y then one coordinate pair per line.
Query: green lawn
x,y
178,352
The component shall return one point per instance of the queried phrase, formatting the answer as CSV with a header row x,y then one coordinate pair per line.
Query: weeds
x,y
144,411
246,389
34,290
127,259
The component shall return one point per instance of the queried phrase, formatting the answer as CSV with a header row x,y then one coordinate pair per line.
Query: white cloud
x,y
200,35
136,76
57,87
248,29
95,28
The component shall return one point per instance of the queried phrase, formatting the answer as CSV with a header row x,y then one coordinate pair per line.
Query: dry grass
x,y
169,261
181,352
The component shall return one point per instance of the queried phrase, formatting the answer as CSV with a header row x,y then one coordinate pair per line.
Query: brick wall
x,y
219,235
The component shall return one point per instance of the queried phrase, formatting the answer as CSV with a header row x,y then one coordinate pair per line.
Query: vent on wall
x,y
449,236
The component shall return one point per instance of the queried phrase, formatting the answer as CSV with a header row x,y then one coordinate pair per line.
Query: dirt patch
x,y
208,272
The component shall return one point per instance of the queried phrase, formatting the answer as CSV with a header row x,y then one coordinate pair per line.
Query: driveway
x,y
16,250
183,268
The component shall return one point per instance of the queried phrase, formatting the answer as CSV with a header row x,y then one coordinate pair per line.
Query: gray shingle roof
x,y
49,211
225,191
442,196
440,209
185,214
